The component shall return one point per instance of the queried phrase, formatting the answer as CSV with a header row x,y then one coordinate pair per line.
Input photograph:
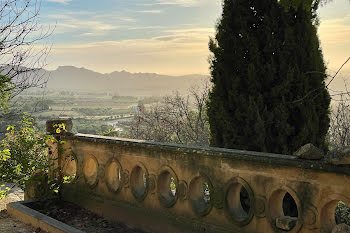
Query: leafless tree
x,y
177,119
21,58
339,130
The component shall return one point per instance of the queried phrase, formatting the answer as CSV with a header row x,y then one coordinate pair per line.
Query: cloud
x,y
336,30
112,17
334,36
186,3
183,38
66,23
60,1
145,27
183,3
150,11
177,52
127,19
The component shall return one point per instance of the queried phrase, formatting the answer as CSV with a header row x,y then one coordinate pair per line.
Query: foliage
x,y
342,213
5,154
149,100
109,131
16,107
5,91
4,191
267,68
24,150
67,93
24,159
124,99
58,177
100,111
32,104
175,119
306,5
87,126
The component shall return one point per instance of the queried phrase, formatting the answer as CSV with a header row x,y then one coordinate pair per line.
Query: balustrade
x,y
175,188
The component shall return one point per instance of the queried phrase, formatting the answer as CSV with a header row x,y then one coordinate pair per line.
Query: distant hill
x,y
123,83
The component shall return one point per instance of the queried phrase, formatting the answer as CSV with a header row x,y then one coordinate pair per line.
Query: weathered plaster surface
x,y
127,180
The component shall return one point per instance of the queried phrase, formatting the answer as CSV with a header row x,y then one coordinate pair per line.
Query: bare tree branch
x,y
318,89
179,119
336,73
21,58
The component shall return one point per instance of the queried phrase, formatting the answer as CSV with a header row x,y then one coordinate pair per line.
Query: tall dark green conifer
x,y
268,73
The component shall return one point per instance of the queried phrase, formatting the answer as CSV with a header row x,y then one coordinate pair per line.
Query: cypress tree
x,y
267,68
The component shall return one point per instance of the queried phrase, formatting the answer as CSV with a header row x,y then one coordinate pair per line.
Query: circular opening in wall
x,y
239,197
342,213
167,183
69,168
113,175
139,182
289,206
284,211
90,170
335,211
244,200
199,195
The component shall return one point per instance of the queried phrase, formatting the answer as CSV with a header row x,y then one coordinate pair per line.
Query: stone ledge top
x,y
243,155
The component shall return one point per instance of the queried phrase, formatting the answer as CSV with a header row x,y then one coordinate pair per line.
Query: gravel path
x,y
16,194
7,223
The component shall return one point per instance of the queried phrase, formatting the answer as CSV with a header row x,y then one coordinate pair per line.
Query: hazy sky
x,y
160,36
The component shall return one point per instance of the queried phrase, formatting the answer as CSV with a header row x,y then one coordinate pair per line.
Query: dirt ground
x,y
65,212
9,224
80,218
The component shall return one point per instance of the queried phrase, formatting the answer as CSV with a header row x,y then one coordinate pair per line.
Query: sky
x,y
158,36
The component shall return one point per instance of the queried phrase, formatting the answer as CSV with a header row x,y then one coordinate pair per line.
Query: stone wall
x,y
174,188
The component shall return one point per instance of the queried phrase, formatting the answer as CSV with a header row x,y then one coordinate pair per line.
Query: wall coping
x,y
243,155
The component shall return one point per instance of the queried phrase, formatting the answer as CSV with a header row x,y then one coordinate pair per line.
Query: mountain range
x,y
142,84
121,82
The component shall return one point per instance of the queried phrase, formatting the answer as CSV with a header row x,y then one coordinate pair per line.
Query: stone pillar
x,y
60,126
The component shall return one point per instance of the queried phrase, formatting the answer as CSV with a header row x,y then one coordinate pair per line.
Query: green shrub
x,y
23,151
24,160
342,213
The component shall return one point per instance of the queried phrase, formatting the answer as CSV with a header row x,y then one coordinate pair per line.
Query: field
x,y
92,112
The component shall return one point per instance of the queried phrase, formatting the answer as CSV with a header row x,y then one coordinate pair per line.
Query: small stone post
x,y
52,125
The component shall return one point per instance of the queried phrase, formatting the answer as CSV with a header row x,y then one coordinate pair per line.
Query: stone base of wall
x,y
136,216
